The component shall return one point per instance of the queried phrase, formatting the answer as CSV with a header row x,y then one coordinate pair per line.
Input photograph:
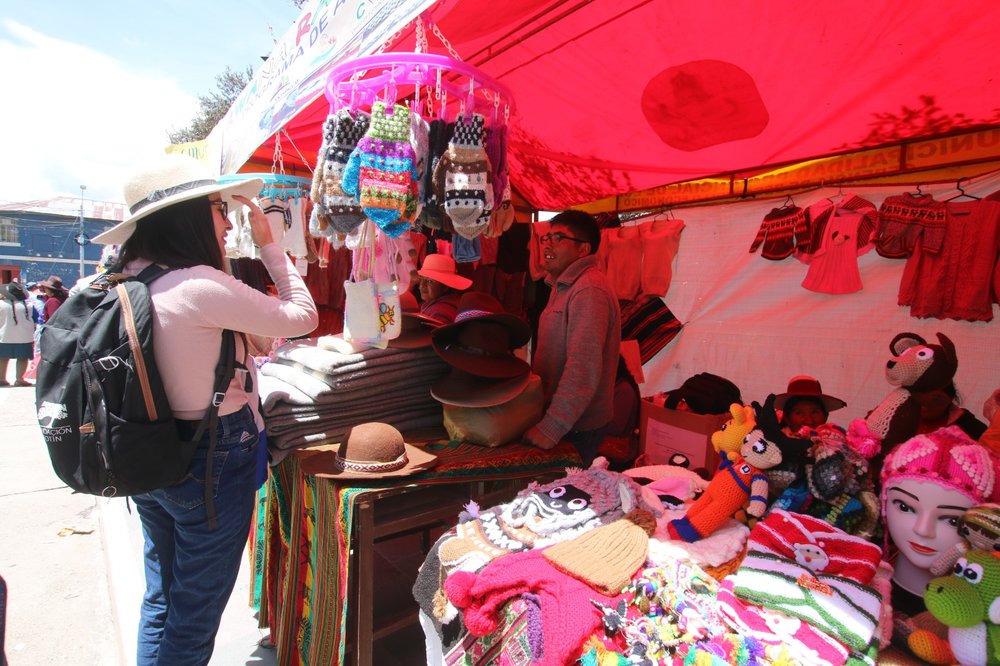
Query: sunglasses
x,y
223,207
557,237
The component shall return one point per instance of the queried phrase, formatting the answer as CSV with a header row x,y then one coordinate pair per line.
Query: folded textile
x,y
299,423
419,370
405,424
805,644
816,544
837,606
371,386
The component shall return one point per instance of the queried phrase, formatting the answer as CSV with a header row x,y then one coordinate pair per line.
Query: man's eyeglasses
x,y
557,237
223,207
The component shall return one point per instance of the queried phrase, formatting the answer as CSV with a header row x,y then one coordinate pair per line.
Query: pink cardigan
x,y
193,306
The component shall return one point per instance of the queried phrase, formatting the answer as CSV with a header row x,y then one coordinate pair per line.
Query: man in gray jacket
x,y
579,333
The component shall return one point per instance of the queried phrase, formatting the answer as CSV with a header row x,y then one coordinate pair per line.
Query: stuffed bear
x,y
916,365
968,602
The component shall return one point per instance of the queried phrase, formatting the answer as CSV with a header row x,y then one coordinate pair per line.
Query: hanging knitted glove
x,y
462,177
437,144
380,169
341,210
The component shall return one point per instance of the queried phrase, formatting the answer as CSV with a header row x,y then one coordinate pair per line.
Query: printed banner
x,y
326,32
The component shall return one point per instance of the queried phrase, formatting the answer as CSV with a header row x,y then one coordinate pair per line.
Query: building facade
x,y
41,238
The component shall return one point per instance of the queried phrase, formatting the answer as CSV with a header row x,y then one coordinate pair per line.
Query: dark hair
x,y
796,399
581,224
178,236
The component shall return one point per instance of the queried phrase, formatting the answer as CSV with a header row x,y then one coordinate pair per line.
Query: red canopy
x,y
614,96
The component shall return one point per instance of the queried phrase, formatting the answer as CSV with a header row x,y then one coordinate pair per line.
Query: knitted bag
x,y
361,310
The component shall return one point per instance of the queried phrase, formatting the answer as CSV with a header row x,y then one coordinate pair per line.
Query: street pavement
x,y
73,564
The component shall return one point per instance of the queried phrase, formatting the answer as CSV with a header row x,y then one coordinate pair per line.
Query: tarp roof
x,y
617,96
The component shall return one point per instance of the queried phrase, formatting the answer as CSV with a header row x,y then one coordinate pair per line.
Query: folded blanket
x,y
306,437
372,381
278,424
327,361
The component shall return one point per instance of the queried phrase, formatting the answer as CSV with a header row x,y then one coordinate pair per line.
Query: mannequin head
x,y
928,481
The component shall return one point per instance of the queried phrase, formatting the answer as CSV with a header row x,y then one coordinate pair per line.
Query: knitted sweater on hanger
x,y
779,232
905,219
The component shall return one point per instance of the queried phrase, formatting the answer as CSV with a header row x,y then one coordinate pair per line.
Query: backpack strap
x,y
225,370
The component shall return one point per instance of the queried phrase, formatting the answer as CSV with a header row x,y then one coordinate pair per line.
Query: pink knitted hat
x,y
946,456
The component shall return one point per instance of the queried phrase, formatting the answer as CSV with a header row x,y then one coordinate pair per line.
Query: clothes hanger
x,y
961,193
919,194
788,203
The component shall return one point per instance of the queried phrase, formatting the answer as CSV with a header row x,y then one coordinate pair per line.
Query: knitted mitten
x,y
340,210
316,191
437,144
420,140
462,176
380,169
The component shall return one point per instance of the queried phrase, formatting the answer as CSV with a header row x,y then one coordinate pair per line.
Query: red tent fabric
x,y
613,96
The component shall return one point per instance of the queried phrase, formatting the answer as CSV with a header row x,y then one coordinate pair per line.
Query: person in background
x,y
804,404
940,408
55,295
17,328
179,220
579,335
109,257
991,438
440,286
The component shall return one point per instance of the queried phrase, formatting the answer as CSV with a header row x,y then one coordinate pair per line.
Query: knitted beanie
x,y
380,169
606,557
463,182
815,544
948,457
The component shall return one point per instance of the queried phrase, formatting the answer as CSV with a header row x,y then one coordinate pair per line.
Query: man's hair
x,y
581,225
178,236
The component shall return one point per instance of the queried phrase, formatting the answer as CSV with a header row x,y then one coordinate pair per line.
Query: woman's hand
x,y
260,228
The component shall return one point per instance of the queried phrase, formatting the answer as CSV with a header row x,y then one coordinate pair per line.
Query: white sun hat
x,y
170,179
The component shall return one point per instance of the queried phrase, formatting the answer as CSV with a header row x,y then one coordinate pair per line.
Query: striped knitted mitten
x,y
380,169
340,209
462,178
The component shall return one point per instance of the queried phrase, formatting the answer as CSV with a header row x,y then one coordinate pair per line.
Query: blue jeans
x,y
191,569
587,442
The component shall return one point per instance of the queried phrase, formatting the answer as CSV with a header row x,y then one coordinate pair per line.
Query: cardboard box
x,y
664,432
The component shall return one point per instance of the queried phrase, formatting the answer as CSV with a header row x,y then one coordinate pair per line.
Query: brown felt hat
x,y
482,338
416,328
370,451
461,389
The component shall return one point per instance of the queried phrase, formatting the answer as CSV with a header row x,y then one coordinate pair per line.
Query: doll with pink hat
x,y
928,482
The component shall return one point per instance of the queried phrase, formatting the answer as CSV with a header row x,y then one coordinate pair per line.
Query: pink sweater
x,y
192,307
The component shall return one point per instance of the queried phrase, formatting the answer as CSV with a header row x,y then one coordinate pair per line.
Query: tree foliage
x,y
214,105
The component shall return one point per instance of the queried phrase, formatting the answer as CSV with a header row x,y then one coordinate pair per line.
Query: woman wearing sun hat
x,y
805,404
440,285
17,327
55,295
178,219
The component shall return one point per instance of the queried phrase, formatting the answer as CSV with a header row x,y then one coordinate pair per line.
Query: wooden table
x,y
320,536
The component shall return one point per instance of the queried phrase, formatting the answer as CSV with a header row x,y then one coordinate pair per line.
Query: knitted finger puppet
x,y
380,169
341,134
462,178
968,603
979,529
916,365
737,483
729,439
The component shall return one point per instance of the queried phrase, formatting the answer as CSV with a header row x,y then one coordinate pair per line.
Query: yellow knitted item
x,y
606,557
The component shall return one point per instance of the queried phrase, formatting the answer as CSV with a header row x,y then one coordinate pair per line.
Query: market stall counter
x,y
316,556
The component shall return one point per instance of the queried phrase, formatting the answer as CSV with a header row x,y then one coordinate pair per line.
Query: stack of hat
x,y
479,346
490,396
416,328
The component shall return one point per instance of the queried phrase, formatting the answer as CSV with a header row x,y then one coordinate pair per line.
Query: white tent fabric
x,y
749,319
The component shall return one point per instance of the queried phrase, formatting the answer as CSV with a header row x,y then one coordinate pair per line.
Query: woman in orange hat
x,y
440,285
805,405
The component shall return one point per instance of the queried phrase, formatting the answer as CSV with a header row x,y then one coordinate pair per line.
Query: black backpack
x,y
101,404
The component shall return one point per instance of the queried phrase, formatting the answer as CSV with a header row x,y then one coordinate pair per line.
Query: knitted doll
x,y
979,529
916,365
968,603
737,483
729,439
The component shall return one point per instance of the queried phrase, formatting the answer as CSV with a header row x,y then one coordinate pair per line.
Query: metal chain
x,y
421,35
278,160
447,44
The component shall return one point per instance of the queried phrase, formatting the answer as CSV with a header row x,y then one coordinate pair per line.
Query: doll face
x,y
922,518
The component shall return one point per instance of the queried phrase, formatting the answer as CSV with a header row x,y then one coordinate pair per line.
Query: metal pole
x,y
82,238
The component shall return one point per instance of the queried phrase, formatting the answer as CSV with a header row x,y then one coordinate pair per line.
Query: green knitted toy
x,y
968,602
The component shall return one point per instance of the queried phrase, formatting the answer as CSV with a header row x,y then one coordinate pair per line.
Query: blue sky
x,y
92,88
